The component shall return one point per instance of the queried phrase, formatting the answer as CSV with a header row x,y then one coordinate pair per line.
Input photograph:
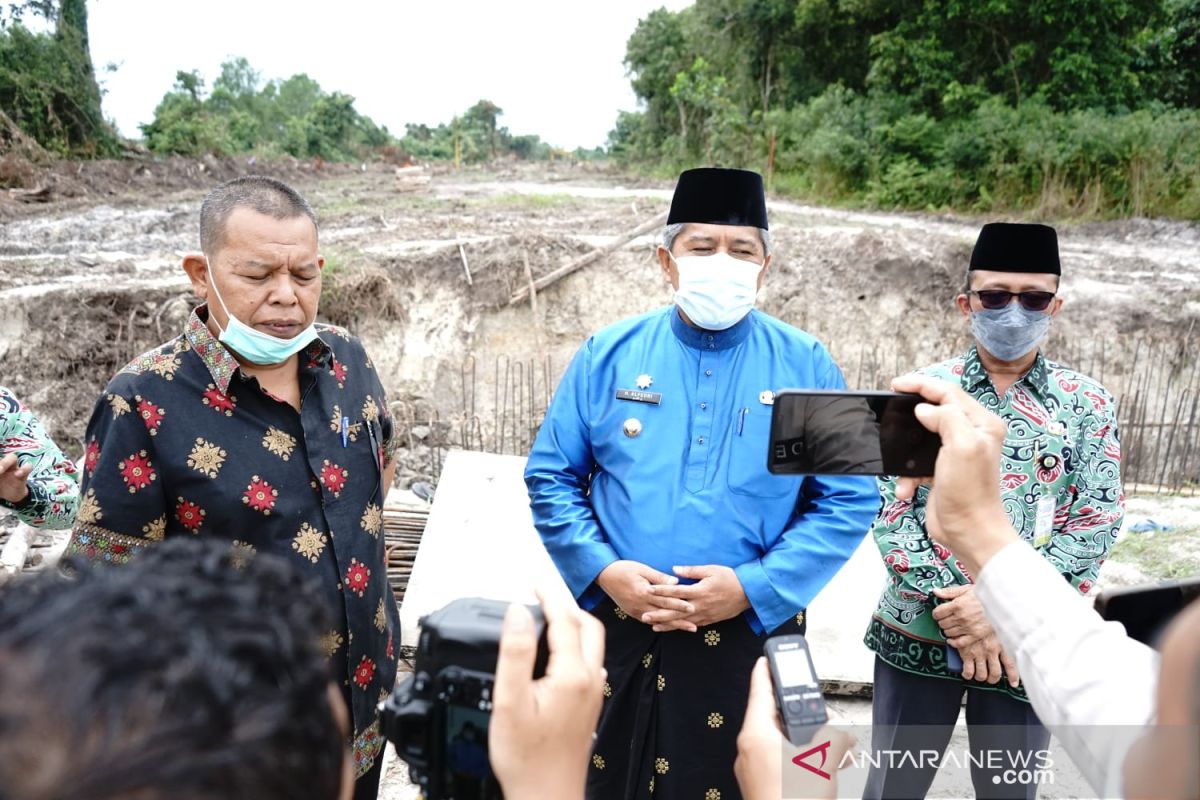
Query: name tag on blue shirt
x,y
639,397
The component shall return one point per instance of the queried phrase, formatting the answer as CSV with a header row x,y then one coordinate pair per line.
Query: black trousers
x,y
367,786
914,712
675,703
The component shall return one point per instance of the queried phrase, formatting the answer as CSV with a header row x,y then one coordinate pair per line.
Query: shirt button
x,y
700,440
703,406
708,372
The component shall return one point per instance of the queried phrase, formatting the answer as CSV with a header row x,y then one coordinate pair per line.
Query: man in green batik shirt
x,y
1061,485
37,482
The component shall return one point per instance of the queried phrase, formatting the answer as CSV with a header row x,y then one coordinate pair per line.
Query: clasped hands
x,y
967,630
659,600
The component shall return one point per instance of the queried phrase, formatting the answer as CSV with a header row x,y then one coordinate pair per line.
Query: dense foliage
x,y
1057,106
474,136
48,86
243,114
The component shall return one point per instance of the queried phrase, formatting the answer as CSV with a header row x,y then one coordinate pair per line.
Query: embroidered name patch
x,y
639,397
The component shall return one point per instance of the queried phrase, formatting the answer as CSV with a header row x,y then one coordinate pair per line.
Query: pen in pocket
x,y
742,419
345,430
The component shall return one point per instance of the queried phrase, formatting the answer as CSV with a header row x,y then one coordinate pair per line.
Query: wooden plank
x,y
581,262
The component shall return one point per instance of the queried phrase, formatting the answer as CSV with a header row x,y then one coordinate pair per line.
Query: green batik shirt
x,y
53,482
1062,445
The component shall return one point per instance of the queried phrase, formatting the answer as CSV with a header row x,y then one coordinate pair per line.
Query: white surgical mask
x,y
717,291
255,346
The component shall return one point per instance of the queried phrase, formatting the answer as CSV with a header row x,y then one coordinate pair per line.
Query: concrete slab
x,y
838,618
479,541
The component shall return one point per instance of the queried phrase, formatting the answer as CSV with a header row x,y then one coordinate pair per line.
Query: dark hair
x,y
265,195
191,672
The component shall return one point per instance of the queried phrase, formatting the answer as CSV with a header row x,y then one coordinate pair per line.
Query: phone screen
x,y
794,668
467,774
849,433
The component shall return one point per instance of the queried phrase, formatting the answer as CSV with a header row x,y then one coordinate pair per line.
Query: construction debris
x,y
403,526
413,179
588,258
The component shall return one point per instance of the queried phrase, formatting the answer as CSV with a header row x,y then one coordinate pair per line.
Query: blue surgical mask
x,y
716,291
254,346
1010,332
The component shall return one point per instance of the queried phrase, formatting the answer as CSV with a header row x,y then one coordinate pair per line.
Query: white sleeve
x,y
1089,683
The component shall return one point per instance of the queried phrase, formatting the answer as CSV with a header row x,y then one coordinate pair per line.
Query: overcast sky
x,y
554,66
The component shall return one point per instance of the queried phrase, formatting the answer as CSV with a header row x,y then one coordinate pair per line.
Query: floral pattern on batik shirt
x,y
1062,443
183,443
53,482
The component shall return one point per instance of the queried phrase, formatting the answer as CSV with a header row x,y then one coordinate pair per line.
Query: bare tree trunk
x,y
683,127
770,67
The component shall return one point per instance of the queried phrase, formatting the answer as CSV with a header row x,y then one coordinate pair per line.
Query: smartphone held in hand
x,y
820,432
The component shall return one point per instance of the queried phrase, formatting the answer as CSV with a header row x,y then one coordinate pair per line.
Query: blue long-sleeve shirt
x,y
692,487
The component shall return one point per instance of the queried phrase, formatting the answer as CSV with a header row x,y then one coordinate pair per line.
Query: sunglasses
x,y
999,298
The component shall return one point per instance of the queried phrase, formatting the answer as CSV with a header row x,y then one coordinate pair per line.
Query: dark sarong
x,y
674,704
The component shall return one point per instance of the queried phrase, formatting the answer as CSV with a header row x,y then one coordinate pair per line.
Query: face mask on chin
x,y
256,347
1011,332
717,291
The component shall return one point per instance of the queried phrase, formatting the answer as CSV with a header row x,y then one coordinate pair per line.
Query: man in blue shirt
x,y
649,487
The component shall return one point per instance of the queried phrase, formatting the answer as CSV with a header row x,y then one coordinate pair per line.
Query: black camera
x,y
438,717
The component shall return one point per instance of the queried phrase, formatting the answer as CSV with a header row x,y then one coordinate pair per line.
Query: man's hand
x,y
963,510
541,731
983,659
717,596
761,747
961,618
967,630
630,585
14,486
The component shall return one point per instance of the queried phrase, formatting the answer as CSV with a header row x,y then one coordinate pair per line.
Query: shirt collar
x,y
699,339
220,362
974,375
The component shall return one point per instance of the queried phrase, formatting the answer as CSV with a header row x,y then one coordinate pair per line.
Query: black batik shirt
x,y
183,443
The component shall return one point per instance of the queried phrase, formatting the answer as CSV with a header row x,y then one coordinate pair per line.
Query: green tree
x,y
660,48
47,82
242,114
1073,53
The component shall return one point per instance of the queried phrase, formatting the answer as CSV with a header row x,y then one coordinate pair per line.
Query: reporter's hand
x,y
716,596
963,510
761,747
630,583
14,477
541,730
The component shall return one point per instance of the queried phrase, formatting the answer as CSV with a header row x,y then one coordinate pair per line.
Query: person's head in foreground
x,y
1011,291
716,247
192,672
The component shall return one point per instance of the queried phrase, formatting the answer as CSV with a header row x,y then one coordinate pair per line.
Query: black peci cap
x,y
1016,247
719,197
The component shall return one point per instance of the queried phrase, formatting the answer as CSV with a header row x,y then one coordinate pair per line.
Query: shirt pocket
x,y
749,444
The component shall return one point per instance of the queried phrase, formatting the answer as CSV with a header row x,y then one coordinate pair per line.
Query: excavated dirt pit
x,y
86,285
